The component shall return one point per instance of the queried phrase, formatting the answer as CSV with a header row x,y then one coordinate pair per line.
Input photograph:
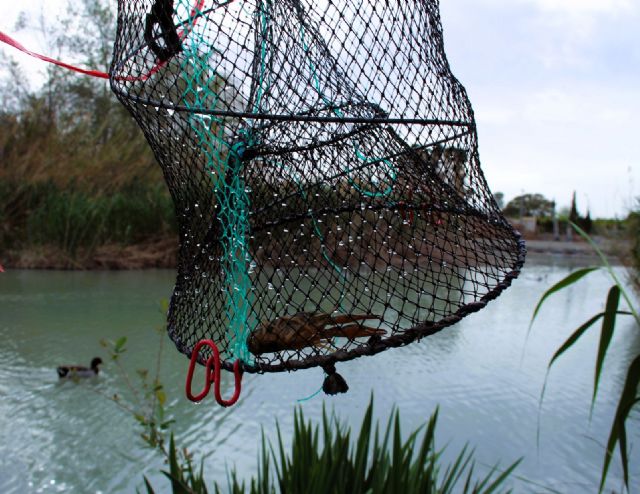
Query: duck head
x,y
95,363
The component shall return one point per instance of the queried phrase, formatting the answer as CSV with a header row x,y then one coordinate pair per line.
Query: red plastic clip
x,y
212,375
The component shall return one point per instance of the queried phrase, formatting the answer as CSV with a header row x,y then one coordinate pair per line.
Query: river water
x,y
482,374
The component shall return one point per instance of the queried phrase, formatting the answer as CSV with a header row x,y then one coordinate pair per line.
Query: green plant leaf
x,y
565,282
119,344
147,484
628,399
624,459
178,485
175,472
503,476
608,325
393,464
455,471
574,337
609,268
161,396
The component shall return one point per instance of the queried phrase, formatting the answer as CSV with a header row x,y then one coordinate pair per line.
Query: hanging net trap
x,y
323,162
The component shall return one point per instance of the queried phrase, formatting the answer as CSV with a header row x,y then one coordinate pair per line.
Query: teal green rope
x,y
231,195
264,21
302,400
340,114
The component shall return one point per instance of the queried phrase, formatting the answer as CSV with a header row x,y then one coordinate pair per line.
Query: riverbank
x,y
614,248
161,252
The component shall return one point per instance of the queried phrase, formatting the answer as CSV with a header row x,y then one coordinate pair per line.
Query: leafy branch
x,y
148,394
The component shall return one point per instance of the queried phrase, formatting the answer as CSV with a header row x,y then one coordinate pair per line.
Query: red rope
x,y
12,42
196,10
212,375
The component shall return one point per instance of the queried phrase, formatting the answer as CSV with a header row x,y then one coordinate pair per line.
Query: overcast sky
x,y
555,85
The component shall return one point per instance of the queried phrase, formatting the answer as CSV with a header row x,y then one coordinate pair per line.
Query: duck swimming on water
x,y
75,371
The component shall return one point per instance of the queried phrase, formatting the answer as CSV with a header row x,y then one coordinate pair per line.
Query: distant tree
x,y
499,197
14,86
530,205
586,223
574,217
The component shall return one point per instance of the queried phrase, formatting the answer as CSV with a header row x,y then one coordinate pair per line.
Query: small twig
x,y
114,400
156,378
127,381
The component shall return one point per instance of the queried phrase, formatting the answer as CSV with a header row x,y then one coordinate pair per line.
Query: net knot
x,y
162,15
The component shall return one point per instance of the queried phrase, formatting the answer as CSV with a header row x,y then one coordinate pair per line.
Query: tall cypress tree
x,y
587,224
574,217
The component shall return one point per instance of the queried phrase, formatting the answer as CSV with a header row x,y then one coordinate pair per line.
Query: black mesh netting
x,y
324,167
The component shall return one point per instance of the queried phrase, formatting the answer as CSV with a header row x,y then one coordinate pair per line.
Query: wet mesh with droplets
x,y
324,167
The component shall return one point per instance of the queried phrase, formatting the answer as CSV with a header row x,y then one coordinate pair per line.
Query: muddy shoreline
x,y
162,253
157,253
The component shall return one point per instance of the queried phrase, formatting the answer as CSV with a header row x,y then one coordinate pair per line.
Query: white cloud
x,y
573,28
552,106
583,6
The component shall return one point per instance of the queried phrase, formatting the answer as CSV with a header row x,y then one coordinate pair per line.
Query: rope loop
x,y
212,375
162,15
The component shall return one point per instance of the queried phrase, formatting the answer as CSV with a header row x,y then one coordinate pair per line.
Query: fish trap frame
x,y
323,162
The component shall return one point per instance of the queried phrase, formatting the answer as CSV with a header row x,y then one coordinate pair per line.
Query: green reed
x,y
330,458
72,219
629,397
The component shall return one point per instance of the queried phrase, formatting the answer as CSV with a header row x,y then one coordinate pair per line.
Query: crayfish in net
x,y
308,329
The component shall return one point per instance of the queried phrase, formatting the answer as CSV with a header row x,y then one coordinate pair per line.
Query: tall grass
x,y
331,459
72,219
78,178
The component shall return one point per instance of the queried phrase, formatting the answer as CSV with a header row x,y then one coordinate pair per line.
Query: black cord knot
x,y
334,383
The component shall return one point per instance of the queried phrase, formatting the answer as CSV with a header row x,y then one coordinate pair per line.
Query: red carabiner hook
x,y
212,375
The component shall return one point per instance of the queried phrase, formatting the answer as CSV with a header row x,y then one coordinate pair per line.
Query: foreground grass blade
x,y
148,486
609,268
382,463
574,337
500,480
627,400
569,280
608,325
